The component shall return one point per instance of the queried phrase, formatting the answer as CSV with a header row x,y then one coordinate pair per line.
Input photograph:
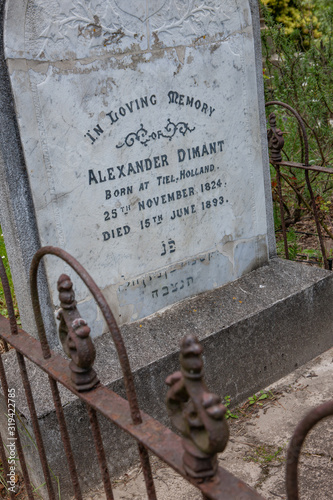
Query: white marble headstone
x,y
140,128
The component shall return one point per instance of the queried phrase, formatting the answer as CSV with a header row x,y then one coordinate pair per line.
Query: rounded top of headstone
x,y
57,30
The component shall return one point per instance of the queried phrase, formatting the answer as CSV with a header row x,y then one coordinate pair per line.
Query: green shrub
x,y
298,70
297,16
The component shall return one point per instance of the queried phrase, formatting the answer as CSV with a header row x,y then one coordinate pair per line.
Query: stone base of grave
x,y
253,331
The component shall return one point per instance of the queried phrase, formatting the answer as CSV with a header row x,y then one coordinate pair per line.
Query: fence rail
x,y
275,145
195,412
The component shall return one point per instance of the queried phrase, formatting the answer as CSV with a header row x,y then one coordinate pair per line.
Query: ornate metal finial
x,y
196,413
74,334
275,140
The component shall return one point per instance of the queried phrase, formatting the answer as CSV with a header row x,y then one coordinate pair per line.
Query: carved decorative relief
x,y
144,137
191,18
125,25
140,9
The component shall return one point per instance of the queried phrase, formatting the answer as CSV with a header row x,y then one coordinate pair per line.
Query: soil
x,y
306,242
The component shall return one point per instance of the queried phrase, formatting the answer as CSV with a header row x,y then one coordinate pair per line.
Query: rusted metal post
x,y
9,301
75,337
4,385
275,140
6,474
100,452
65,439
196,413
35,425
3,379
275,146
316,216
283,223
306,173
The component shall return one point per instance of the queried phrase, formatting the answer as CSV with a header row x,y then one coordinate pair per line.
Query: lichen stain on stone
x,y
92,30
190,59
179,66
201,38
157,44
61,68
105,88
246,16
214,47
115,37
144,58
181,53
41,67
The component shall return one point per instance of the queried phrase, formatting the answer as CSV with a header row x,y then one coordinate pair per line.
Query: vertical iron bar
x,y
8,297
65,439
5,465
36,308
100,452
283,224
316,216
35,424
9,302
306,163
19,448
114,330
147,473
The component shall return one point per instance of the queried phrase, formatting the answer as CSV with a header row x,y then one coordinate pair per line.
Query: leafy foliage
x,y
303,79
298,70
228,414
260,397
297,16
3,256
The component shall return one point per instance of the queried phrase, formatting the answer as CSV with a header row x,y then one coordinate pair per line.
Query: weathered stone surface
x,y
253,331
142,137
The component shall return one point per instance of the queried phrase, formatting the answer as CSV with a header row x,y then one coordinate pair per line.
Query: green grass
x,y
3,256
266,454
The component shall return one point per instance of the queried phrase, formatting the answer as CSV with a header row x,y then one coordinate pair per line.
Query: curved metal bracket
x,y
80,331
275,162
104,307
302,430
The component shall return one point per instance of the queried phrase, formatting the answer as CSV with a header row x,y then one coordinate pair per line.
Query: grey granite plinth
x,y
254,331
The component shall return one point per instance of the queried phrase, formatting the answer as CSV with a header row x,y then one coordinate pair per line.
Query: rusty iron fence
x,y
196,413
275,145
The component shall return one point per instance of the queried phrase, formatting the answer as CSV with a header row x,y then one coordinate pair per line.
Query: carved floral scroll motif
x,y
119,26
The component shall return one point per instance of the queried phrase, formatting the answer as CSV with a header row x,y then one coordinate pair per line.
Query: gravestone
x,y
144,143
133,136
